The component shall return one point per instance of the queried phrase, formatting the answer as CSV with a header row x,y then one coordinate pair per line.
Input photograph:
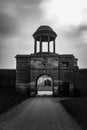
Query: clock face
x,y
44,62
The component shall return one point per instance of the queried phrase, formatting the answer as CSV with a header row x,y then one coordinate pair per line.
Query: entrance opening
x,y
44,85
66,90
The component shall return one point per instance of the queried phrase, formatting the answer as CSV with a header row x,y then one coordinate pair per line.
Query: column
x,y
40,44
35,46
54,46
48,44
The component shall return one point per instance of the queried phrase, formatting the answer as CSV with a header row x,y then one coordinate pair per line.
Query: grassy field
x,y
77,107
9,98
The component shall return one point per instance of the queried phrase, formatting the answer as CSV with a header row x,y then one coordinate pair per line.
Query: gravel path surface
x,y
38,114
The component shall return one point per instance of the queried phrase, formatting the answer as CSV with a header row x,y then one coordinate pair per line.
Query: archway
x,y
44,85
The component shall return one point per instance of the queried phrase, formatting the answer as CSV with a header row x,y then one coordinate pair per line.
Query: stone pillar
x,y
48,44
35,46
54,46
40,44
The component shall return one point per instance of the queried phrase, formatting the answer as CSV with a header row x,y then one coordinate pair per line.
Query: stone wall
x,y
81,81
28,71
35,73
7,77
30,67
22,73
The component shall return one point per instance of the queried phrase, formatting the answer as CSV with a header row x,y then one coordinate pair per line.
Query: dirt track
x,y
38,114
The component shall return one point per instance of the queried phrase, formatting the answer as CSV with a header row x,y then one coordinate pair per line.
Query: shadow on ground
x,y
10,98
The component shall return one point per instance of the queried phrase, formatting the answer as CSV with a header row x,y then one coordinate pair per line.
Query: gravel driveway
x,y
38,114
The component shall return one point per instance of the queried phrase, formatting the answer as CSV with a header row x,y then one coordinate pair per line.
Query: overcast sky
x,y
19,19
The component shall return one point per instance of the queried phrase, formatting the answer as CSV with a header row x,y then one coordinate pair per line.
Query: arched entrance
x,y
44,85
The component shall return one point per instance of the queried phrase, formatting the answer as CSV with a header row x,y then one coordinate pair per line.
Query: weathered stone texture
x,y
38,72
31,67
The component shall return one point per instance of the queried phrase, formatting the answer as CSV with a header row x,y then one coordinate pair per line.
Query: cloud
x,y
64,12
7,25
77,33
69,19
15,13
18,21
75,40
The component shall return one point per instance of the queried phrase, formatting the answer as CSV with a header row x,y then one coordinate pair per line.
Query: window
x,y
65,64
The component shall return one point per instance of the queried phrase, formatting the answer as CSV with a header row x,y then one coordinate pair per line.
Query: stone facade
x,y
60,68
29,67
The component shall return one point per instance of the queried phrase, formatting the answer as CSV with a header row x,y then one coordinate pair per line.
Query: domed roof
x,y
45,27
44,31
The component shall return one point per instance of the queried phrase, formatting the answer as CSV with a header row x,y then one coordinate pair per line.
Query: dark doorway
x,y
66,90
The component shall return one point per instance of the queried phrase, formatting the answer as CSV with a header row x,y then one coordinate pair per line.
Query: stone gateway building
x,y
46,72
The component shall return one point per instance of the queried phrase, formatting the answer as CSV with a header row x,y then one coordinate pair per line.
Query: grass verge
x,y
77,107
9,98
